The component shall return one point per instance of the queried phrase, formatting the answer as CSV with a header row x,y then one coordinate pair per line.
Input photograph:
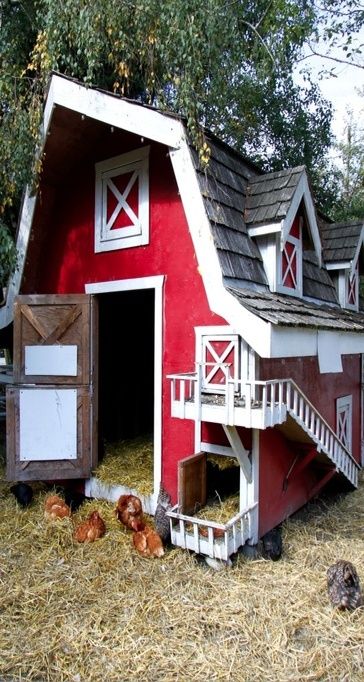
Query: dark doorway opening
x,y
126,365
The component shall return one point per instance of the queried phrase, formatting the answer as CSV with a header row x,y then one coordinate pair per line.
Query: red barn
x,y
209,307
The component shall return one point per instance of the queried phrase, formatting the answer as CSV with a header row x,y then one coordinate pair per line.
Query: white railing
x,y
215,540
260,404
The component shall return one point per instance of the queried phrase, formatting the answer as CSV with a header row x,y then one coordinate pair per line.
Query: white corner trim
x,y
329,356
269,228
25,224
137,284
110,109
254,331
303,191
338,265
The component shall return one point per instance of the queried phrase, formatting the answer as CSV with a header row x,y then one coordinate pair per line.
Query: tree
x,y
223,64
350,199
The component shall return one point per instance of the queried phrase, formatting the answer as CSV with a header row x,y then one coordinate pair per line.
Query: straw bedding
x,y
128,463
88,613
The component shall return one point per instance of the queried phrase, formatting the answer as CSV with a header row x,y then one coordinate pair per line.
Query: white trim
x,y
339,265
137,284
27,213
296,243
303,191
255,331
268,228
132,117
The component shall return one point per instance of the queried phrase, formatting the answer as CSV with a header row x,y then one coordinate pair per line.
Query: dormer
x,y
343,256
281,217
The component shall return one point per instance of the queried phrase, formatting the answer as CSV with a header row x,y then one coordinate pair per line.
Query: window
x,y
352,289
290,264
122,201
344,420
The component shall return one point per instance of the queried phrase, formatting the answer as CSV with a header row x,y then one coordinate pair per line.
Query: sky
x,y
342,90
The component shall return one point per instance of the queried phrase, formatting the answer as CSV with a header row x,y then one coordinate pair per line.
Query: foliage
x,y
351,172
225,65
8,255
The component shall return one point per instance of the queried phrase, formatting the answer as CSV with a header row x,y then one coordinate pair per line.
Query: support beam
x,y
318,487
299,464
241,454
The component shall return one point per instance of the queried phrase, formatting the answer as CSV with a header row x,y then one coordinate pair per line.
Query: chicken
x,y
23,493
161,520
272,544
129,512
56,508
343,585
91,529
148,543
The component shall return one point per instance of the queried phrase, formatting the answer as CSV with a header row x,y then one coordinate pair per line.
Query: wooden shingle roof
x,y
341,241
269,196
295,312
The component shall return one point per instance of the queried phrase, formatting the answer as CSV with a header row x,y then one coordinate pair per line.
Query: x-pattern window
x,y
122,201
344,420
122,204
289,266
216,351
352,288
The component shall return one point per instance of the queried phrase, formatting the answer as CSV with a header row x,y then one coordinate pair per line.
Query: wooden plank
x,y
67,321
28,313
192,483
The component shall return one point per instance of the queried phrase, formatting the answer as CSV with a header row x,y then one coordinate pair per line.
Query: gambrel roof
x,y
226,205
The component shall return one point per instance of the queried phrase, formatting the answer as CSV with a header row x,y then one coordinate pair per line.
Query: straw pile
x,y
128,463
221,511
89,613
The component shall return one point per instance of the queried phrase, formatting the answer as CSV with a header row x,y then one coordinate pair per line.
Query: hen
x,y
161,520
343,585
23,493
91,529
56,508
148,543
129,511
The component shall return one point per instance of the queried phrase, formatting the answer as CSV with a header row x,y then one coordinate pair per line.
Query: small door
x,y
53,339
192,483
52,406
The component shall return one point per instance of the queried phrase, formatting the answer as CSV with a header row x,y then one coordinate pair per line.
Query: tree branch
x,y
338,60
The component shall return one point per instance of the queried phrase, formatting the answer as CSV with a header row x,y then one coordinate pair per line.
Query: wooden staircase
x,y
262,404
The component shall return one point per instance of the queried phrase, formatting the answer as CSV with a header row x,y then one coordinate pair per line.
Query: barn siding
x,y
68,262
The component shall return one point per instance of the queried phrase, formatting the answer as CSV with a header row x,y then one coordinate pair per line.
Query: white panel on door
x,y
51,360
48,424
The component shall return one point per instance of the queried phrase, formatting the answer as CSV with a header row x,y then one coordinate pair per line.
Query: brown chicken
x,y
129,512
148,543
91,529
56,508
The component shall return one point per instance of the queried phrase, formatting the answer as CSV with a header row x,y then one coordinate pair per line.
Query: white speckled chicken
x,y
343,585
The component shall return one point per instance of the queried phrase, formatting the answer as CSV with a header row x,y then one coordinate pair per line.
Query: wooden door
x,y
52,406
192,483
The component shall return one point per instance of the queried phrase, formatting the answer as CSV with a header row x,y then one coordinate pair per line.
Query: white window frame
x,y
344,419
352,281
297,244
137,234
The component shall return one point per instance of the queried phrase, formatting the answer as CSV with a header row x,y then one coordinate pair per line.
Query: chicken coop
x,y
208,316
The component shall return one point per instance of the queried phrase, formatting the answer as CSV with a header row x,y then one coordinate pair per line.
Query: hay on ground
x,y
128,463
75,612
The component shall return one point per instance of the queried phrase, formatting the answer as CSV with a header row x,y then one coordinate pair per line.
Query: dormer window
x,y
352,289
122,201
289,279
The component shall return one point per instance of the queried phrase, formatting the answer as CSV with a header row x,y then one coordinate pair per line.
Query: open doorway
x,y
126,365
130,388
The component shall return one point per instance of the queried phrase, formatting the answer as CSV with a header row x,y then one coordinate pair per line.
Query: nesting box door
x,y
52,406
192,483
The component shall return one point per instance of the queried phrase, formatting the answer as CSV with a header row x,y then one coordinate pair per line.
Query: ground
x,y
90,613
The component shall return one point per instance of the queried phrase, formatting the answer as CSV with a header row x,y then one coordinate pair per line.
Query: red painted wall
x,y
322,389
68,261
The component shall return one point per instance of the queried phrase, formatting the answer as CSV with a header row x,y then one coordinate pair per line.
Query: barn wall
x,y
68,262
322,389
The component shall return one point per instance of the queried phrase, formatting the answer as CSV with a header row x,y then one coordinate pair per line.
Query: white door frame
x,y
135,284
